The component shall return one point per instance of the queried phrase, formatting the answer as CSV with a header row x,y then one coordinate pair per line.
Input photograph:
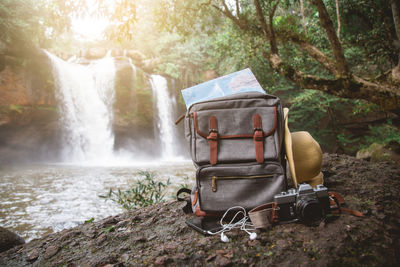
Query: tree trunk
x,y
396,19
303,19
327,25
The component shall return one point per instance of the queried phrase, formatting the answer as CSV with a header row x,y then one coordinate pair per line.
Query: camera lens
x,y
310,211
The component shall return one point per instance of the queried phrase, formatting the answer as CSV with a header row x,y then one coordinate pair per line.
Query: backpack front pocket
x,y
222,187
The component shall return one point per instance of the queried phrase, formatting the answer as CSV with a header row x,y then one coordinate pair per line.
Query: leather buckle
x,y
213,136
258,134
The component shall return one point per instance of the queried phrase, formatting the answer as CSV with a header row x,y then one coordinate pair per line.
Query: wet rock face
x,y
32,135
96,53
9,239
31,85
28,110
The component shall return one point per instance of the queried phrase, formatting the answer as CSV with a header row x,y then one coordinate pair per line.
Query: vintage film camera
x,y
308,205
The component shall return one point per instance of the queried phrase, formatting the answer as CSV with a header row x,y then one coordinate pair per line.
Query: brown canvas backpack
x,y
236,144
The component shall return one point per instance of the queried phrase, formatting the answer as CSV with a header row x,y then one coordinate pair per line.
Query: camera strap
x,y
336,203
188,207
267,214
264,215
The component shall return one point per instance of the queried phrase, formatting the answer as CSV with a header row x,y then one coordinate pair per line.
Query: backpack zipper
x,y
215,178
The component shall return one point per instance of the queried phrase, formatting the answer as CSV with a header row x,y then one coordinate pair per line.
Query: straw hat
x,y
304,156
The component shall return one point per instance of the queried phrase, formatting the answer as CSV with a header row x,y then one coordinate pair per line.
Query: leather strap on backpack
x,y
213,140
258,137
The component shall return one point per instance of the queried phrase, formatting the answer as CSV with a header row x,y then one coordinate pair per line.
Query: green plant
x,y
347,139
143,193
383,134
109,229
16,108
186,182
89,221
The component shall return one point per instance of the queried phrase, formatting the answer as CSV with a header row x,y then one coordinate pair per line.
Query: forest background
x,y
336,64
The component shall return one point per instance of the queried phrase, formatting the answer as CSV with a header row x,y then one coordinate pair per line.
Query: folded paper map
x,y
234,83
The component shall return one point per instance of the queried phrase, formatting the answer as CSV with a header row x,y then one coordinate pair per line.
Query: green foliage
x,y
186,182
347,140
18,17
89,221
383,134
47,108
17,108
363,108
369,25
316,112
25,24
307,106
143,193
109,229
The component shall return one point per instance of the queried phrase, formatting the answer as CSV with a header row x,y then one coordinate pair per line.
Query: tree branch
x,y
338,19
327,24
310,49
237,8
346,87
240,22
274,46
313,51
261,18
268,30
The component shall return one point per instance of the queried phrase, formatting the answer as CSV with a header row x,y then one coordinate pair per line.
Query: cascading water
x,y
86,95
165,121
133,67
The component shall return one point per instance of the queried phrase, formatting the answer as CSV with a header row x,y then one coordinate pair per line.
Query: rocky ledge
x,y
158,235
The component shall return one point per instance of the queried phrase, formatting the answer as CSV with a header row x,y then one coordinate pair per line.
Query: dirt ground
x,y
158,235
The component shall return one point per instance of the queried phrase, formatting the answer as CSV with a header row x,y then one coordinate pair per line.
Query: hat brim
x,y
305,138
288,147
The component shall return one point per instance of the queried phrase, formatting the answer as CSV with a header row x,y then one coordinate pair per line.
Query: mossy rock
x,y
376,153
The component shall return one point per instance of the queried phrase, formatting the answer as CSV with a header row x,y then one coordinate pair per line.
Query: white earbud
x,y
224,238
241,224
253,236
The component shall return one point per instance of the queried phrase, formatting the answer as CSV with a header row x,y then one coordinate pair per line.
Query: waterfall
x,y
164,122
133,67
86,95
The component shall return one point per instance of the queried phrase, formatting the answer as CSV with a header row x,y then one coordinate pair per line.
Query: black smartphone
x,y
204,225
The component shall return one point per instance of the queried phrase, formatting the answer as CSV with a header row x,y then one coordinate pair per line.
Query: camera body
x,y
305,204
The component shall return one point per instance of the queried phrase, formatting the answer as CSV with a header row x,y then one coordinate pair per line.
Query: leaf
x,y
89,221
109,229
